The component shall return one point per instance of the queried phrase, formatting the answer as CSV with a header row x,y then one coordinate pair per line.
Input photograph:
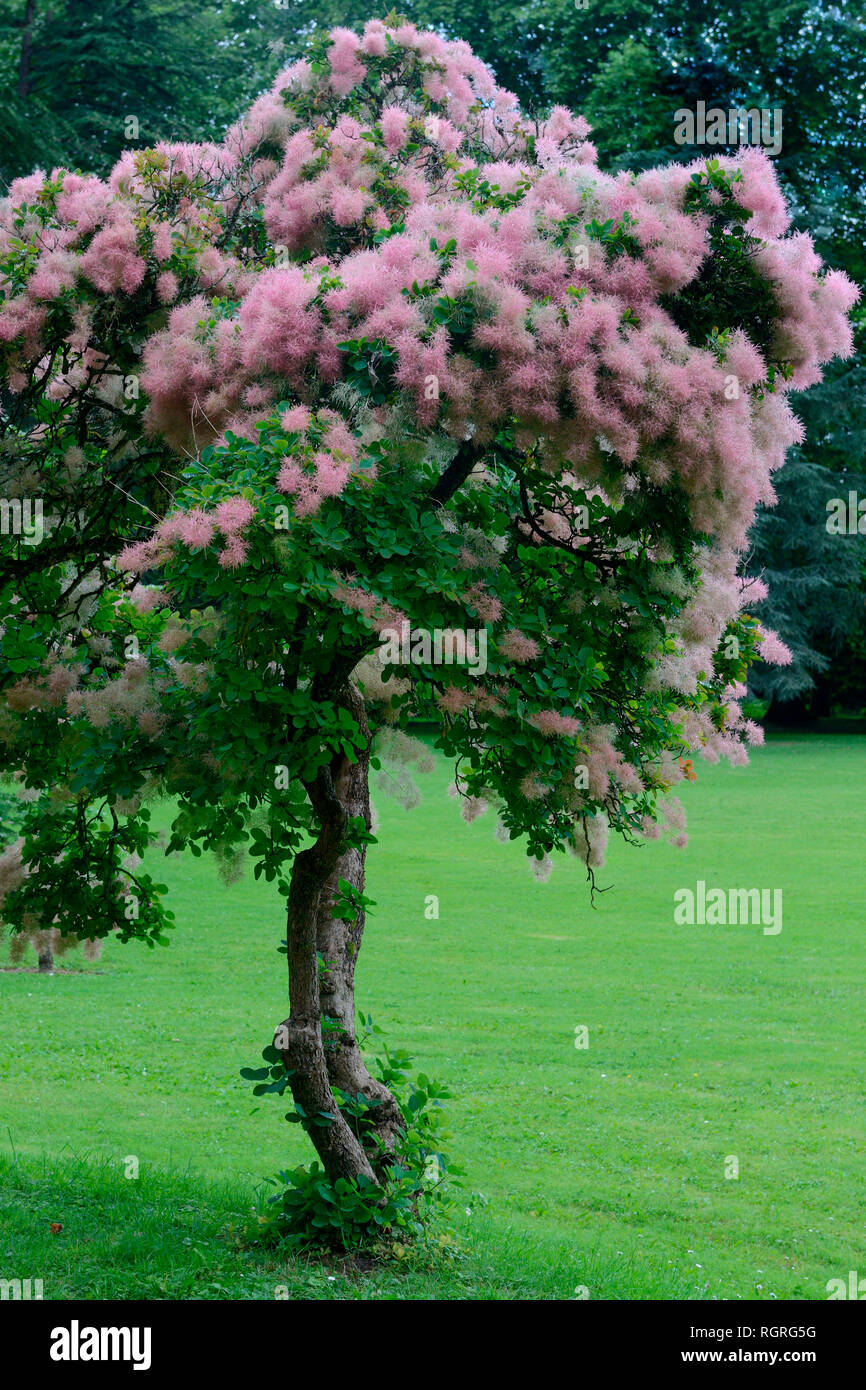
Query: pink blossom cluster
x,y
312,473
130,698
196,529
635,389
567,339
511,282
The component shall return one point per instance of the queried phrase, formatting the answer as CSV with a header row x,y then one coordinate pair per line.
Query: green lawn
x,y
603,1167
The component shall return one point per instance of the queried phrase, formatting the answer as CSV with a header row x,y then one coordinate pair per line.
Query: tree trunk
x,y
46,960
338,944
338,793
26,50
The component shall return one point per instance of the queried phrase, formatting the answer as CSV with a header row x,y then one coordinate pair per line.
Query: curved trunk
x,y
338,944
328,988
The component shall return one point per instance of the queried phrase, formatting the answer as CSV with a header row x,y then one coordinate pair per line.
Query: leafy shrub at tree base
x,y
413,1175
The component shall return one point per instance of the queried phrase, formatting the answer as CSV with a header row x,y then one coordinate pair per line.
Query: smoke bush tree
x,y
47,942
390,354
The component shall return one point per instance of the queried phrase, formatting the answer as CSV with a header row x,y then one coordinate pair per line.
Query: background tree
x,y
399,361
814,574
82,82
630,68
46,942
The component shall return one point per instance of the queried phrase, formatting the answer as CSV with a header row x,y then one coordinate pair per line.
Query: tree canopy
x,y
76,76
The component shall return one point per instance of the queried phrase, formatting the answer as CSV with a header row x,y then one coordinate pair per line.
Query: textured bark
x,y
338,793
339,943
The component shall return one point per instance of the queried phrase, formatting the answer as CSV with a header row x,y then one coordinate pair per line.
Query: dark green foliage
x,y
630,67
74,71
815,577
11,814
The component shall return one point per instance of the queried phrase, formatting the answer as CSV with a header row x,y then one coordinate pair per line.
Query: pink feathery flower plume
x,y
296,418
517,647
196,529
550,723
234,553
234,514
772,649
486,605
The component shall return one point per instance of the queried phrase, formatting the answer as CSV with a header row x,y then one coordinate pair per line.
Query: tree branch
x,y
456,473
